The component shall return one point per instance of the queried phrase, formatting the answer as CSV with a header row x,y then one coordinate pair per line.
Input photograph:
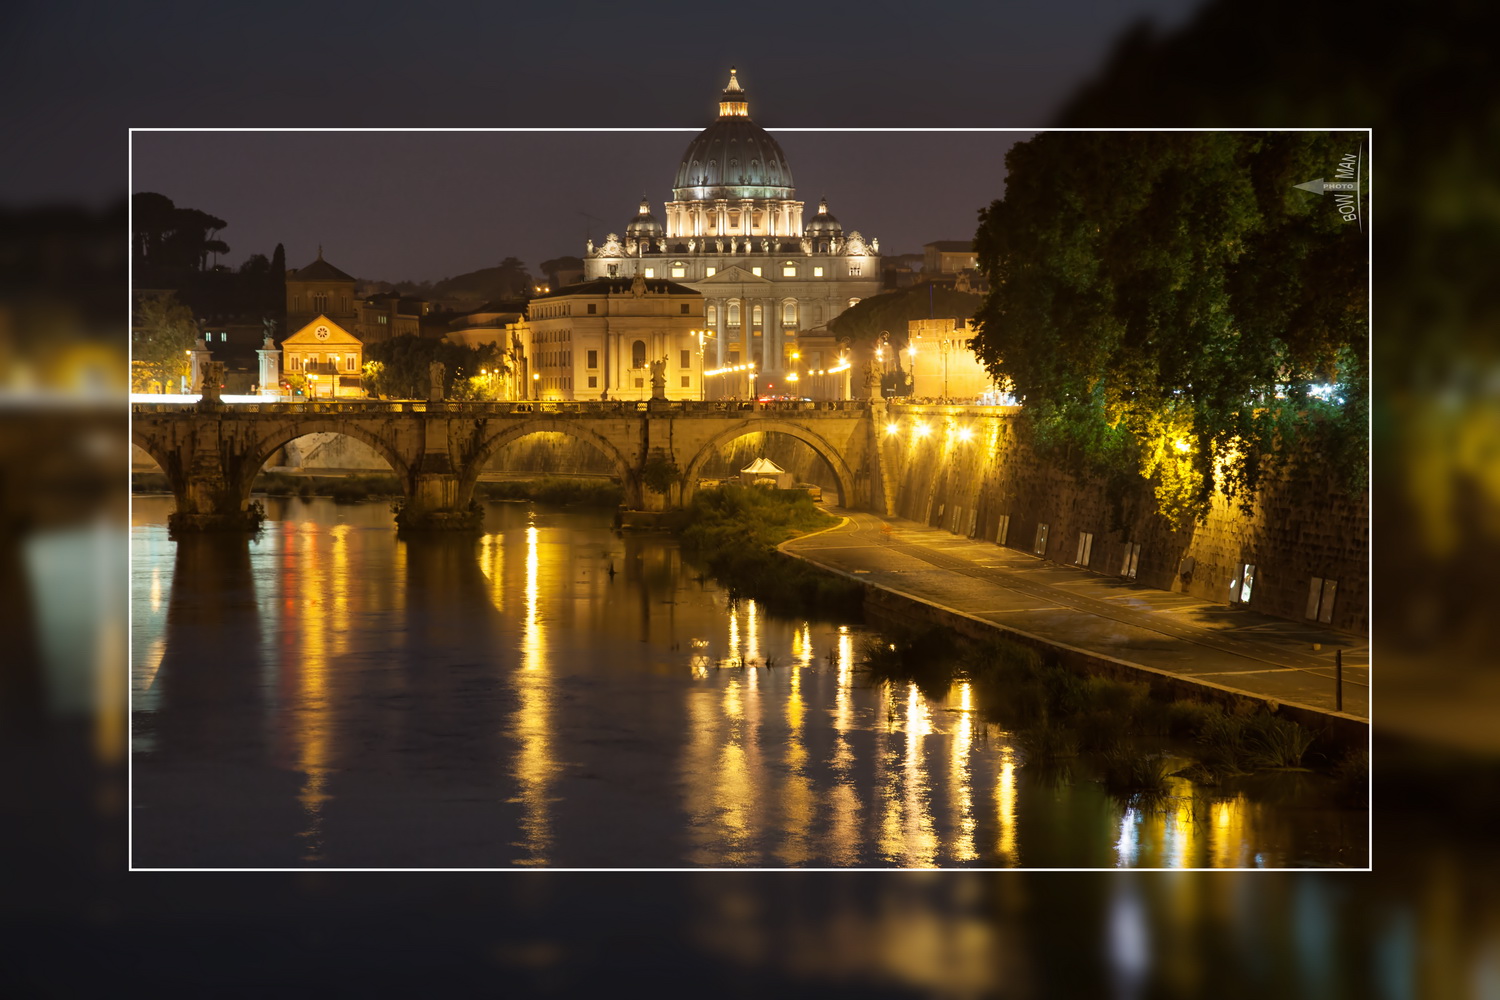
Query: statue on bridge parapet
x,y
213,381
659,378
435,372
872,380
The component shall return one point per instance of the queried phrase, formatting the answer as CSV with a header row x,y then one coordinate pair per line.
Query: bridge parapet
x,y
212,454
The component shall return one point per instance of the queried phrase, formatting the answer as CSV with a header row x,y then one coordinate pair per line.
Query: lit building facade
x,y
734,231
597,340
328,356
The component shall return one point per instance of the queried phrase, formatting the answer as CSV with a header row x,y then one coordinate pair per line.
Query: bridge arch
x,y
485,448
266,444
168,458
842,474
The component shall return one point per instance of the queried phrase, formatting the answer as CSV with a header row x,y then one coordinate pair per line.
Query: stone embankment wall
x,y
993,486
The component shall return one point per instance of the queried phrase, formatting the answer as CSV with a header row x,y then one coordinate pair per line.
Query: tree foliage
x,y
166,235
1164,301
164,331
398,368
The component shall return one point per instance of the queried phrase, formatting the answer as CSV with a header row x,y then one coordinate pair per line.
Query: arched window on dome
x,y
789,312
755,316
638,354
713,315
734,314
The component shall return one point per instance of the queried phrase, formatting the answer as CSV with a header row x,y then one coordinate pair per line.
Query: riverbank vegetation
x,y
552,490
1059,714
734,531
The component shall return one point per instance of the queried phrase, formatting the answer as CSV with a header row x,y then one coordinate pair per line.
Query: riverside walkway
x,y
1219,645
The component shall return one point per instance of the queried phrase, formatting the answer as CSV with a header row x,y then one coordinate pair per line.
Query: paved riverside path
x,y
1228,646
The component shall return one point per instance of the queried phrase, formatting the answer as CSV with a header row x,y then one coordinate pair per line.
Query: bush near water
x,y
734,530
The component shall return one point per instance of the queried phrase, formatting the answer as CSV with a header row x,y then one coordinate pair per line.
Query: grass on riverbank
x,y
734,531
1059,713
551,490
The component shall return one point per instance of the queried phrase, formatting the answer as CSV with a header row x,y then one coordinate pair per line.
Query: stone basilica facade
x,y
734,231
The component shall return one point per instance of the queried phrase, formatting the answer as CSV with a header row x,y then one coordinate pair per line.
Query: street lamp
x,y
536,383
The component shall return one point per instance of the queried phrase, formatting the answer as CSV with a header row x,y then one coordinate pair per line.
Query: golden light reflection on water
x,y
752,636
797,802
1184,830
736,795
311,714
921,839
961,794
492,565
1005,808
843,833
534,765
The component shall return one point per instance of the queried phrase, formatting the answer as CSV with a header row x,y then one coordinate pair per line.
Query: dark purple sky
x,y
423,206
426,205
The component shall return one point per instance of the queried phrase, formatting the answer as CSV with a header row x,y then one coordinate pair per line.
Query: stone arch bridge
x,y
211,452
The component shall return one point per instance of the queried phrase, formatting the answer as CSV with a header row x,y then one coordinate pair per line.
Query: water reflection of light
x,y
963,797
337,590
700,778
752,633
797,793
734,632
843,831
155,588
1227,825
492,565
534,765
802,645
311,715
1006,808
921,839
735,798
1126,847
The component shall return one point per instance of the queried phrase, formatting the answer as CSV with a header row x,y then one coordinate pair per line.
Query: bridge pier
x,y
209,500
437,498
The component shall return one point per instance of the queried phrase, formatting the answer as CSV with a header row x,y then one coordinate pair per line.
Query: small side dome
x,y
822,224
644,224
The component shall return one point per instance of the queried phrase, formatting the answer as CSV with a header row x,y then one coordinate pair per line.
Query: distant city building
x,y
597,340
943,365
949,256
735,232
320,289
388,314
328,356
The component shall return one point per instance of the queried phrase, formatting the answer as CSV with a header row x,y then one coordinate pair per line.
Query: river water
x,y
558,694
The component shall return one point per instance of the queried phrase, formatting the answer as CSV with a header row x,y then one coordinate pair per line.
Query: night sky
x,y
428,205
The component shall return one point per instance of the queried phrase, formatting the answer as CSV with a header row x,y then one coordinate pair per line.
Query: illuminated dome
x,y
823,224
644,224
733,158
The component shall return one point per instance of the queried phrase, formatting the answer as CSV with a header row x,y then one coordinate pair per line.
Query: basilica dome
x,y
823,224
644,223
733,158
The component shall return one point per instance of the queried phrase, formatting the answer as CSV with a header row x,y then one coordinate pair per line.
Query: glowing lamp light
x,y
891,428
965,433
920,430
1181,445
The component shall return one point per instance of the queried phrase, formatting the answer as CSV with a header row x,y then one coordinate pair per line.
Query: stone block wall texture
x,y
1301,526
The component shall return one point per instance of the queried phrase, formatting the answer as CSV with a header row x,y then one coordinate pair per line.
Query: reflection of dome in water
x,y
733,158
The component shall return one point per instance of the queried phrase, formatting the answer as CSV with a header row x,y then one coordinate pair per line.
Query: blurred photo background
x,y
1425,923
